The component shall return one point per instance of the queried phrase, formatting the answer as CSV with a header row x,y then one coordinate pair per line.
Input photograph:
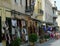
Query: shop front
x,y
21,23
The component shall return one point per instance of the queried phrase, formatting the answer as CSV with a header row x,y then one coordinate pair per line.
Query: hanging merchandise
x,y
18,32
23,23
3,27
14,25
49,28
24,32
49,32
14,22
44,28
13,31
26,38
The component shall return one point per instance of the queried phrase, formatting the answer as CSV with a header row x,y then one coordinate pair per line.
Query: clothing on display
x,y
3,31
26,37
23,23
3,28
18,32
14,23
24,31
13,31
49,28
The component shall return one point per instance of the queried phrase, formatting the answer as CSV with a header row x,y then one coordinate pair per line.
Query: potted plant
x,y
32,39
16,42
42,39
46,37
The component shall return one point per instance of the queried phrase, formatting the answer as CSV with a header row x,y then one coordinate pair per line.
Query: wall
x,y
18,7
37,15
47,7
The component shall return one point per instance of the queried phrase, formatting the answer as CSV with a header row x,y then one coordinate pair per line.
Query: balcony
x,y
41,11
54,7
15,12
54,16
29,10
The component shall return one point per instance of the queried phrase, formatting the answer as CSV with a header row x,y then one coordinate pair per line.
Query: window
x,y
28,4
20,2
15,1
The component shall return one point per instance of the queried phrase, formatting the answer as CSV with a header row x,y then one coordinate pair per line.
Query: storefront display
x,y
14,26
24,32
49,28
18,32
8,35
19,25
14,22
23,23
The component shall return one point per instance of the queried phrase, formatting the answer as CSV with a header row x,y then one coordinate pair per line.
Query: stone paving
x,y
49,43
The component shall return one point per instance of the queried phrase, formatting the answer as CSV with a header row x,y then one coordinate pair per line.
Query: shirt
x,y
14,23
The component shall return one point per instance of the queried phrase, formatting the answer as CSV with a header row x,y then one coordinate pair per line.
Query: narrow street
x,y
25,22
50,43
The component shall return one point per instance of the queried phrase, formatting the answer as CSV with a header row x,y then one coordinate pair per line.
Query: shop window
x,y
20,2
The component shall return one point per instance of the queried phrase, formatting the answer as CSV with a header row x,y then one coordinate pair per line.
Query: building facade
x,y
57,20
55,16
48,13
16,13
24,17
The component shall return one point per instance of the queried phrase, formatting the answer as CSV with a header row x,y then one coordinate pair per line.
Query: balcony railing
x,y
40,11
29,9
54,16
54,8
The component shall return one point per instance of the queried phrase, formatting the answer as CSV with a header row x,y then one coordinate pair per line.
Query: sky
x,y
58,4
